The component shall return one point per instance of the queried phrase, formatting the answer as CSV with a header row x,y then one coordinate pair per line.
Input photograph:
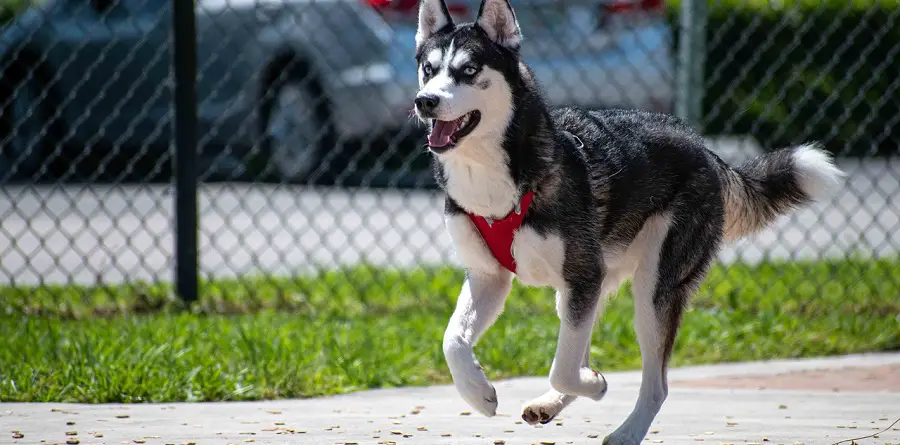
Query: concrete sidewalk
x,y
841,398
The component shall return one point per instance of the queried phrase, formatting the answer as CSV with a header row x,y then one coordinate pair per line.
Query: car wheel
x,y
294,131
27,137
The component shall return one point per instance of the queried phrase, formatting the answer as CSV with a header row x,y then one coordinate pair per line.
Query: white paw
x,y
469,378
478,392
543,409
624,435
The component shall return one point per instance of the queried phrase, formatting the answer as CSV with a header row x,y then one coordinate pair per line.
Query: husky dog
x,y
579,200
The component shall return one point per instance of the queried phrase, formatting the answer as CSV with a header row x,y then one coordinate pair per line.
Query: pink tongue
x,y
440,134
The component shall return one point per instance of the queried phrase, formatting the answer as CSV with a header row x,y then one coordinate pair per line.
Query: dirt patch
x,y
866,379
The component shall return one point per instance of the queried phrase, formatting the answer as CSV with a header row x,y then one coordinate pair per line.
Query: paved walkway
x,y
819,401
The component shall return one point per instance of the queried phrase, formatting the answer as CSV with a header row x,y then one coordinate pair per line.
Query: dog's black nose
x,y
427,103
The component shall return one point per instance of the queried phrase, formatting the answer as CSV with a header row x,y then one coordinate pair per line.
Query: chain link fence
x,y
308,160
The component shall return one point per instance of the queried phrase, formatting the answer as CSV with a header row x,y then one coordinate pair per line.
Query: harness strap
x,y
499,234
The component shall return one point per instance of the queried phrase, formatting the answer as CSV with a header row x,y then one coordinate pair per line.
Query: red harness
x,y
498,235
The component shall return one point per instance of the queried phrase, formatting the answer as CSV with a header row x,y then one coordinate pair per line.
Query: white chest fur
x,y
478,178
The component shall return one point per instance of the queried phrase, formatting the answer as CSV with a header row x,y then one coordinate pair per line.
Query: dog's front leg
x,y
480,303
570,374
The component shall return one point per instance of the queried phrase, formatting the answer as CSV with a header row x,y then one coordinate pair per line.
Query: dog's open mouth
x,y
445,134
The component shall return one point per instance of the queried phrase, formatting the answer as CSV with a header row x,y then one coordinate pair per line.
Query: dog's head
x,y
465,73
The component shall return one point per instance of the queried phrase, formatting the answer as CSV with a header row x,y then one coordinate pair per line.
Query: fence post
x,y
691,59
184,62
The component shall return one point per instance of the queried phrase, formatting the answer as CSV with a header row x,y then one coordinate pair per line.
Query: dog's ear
x,y
497,19
433,17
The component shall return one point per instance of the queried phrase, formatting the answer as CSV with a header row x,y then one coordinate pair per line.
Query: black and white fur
x,y
619,194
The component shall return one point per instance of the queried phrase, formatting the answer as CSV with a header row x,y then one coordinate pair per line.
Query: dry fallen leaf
x,y
499,442
72,441
593,436
140,441
465,413
272,411
445,435
18,435
421,428
547,442
122,416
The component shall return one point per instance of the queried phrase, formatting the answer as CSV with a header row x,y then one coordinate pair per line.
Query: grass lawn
x,y
274,338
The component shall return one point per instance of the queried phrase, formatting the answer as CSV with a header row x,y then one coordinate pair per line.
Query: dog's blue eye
x,y
470,70
426,69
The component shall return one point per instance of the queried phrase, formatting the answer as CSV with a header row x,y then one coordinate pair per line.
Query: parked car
x,y
87,87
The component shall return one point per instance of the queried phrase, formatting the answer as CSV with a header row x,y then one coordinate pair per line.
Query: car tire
x,y
294,126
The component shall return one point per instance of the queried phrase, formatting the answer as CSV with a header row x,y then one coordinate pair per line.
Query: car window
x,y
154,6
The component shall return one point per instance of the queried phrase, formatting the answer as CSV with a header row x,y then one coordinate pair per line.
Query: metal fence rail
x,y
306,157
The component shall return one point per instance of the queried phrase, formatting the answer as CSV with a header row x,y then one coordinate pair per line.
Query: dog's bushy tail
x,y
763,188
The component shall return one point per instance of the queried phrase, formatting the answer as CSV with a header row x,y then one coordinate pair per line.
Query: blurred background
x,y
315,193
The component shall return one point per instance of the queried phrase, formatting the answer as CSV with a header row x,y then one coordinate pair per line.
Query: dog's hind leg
x,y
480,303
670,270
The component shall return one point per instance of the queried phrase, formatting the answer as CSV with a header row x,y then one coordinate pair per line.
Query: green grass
x,y
271,338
